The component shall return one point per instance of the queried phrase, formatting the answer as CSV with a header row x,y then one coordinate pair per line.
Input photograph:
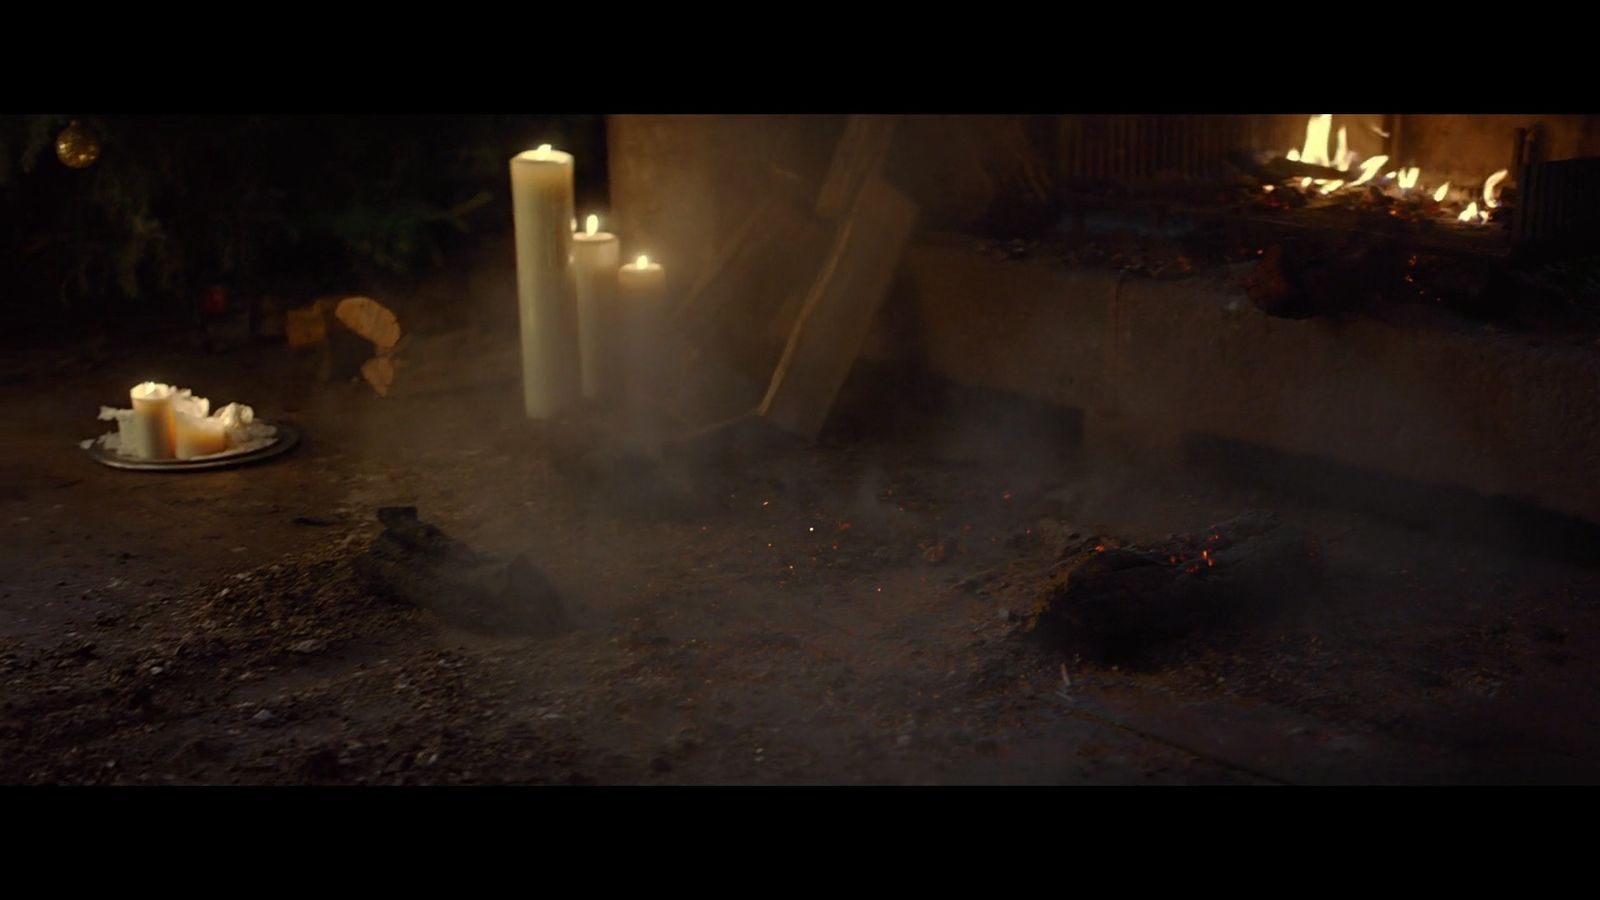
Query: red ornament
x,y
214,302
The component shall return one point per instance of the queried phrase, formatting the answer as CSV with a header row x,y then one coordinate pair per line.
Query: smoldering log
x,y
1280,170
1297,280
413,562
1113,600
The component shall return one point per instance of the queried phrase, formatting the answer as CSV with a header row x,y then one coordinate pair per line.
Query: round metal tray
x,y
288,437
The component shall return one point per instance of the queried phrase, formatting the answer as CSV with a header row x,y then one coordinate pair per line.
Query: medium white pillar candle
x,y
198,435
595,255
541,197
151,427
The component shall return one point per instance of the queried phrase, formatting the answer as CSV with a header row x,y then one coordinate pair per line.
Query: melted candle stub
x,y
168,422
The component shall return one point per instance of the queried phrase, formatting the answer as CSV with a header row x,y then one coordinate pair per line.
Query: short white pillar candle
x,y
151,427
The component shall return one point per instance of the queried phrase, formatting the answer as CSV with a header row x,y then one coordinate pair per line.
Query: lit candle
x,y
641,293
541,197
149,434
594,258
198,435
641,281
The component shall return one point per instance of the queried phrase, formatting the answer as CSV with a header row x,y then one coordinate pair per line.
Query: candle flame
x,y
642,261
543,152
1439,195
591,225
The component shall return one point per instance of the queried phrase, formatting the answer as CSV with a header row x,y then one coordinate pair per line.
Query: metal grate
x,y
1557,202
1096,148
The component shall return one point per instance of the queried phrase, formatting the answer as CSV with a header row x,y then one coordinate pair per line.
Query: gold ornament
x,y
77,147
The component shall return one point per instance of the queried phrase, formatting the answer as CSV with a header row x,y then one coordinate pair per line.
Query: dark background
x,y
263,204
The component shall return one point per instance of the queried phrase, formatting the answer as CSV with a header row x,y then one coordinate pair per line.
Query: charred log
x,y
415,563
1116,601
1297,281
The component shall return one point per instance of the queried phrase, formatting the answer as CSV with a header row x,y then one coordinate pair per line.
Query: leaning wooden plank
x,y
734,340
736,244
837,313
859,156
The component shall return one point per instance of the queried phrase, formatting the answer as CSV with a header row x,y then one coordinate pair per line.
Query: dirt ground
x,y
844,613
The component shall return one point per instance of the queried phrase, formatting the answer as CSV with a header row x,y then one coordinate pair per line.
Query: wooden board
x,y
735,327
858,157
838,310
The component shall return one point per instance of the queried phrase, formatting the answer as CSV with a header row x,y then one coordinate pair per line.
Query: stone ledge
x,y
1502,415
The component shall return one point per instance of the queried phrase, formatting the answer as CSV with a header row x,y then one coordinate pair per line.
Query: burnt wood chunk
x,y
1353,276
1117,601
415,563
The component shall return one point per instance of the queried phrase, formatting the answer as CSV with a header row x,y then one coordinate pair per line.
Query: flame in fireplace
x,y
1491,189
1321,132
1318,129
1369,169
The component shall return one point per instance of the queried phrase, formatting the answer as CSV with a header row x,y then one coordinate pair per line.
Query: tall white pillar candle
x,y
541,197
151,426
595,255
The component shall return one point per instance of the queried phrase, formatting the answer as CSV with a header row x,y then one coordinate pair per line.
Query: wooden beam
x,y
859,156
838,310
